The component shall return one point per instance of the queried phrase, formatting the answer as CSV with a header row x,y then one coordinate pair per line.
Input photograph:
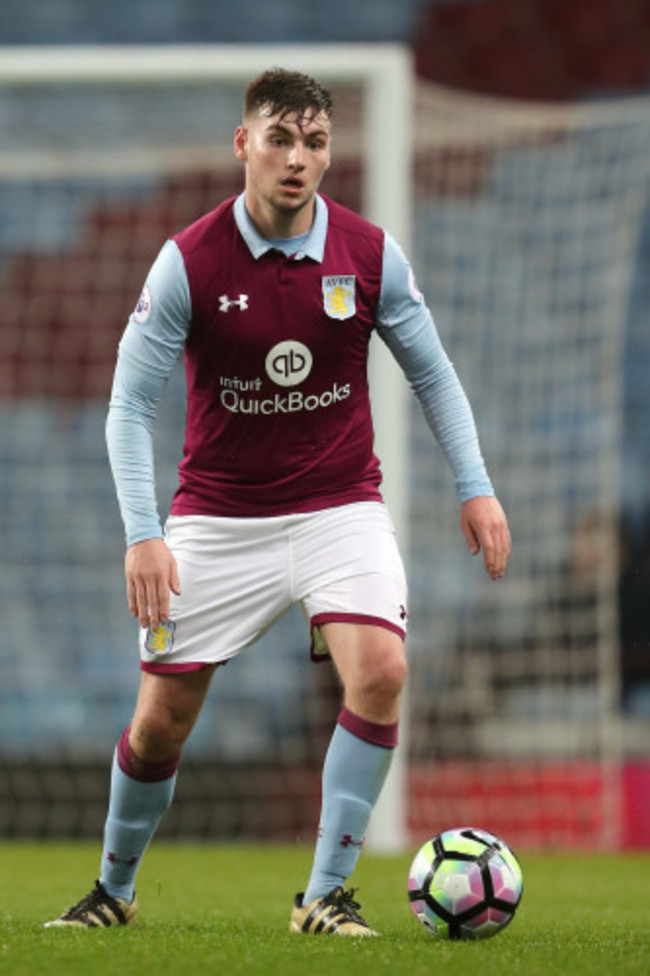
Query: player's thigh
x,y
234,585
351,572
369,659
342,542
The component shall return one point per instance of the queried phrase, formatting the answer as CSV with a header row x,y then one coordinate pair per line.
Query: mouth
x,y
292,184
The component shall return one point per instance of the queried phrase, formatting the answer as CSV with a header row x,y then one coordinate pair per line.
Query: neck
x,y
273,223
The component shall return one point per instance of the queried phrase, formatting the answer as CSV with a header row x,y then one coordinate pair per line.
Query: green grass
x,y
224,910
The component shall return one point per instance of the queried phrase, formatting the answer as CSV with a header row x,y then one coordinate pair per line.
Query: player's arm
x,y
151,344
406,326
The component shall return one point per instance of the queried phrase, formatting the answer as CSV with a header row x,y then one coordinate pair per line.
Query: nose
x,y
295,159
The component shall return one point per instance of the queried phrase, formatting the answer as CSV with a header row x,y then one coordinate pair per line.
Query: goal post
x,y
381,77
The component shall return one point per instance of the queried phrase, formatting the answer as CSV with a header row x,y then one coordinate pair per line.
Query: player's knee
x,y
158,736
384,680
394,674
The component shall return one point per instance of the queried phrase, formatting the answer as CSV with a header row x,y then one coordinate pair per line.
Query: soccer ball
x,y
465,884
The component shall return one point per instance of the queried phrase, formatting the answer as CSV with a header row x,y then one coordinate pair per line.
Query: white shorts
x,y
239,575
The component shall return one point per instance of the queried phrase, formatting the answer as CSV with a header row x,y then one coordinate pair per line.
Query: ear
x,y
241,143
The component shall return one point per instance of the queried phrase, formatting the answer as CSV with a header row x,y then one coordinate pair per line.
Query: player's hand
x,y
485,528
151,572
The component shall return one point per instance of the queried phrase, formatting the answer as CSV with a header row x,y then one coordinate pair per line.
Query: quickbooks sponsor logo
x,y
293,402
288,363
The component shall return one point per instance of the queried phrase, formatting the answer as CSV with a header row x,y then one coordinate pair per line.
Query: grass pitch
x,y
217,909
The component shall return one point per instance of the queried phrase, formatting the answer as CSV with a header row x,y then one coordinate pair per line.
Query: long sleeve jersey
x,y
275,336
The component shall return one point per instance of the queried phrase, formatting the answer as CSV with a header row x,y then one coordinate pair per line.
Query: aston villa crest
x,y
160,640
339,298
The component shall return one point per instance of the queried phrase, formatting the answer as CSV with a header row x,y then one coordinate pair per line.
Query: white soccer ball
x,y
465,884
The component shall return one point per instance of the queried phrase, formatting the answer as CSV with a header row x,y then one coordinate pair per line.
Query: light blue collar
x,y
313,245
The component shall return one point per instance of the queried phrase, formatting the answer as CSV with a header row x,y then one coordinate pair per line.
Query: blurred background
x,y
530,701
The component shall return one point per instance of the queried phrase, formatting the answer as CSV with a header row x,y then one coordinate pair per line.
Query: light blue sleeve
x,y
406,326
150,346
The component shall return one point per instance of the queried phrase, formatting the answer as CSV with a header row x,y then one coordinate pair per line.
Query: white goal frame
x,y
386,75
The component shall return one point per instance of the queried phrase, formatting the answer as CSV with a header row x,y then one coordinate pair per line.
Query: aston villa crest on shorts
x,y
339,296
160,640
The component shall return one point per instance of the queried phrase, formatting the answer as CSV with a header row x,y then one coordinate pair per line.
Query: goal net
x,y
526,235
523,223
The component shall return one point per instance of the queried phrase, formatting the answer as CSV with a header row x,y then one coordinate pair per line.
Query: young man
x,y
273,298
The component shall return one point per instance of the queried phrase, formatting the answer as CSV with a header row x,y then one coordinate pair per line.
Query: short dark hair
x,y
281,92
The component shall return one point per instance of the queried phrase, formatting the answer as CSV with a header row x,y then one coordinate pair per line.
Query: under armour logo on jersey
x,y
225,303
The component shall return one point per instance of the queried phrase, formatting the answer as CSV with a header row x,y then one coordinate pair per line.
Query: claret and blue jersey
x,y
275,336
279,384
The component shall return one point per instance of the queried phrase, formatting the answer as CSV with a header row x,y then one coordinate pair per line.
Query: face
x,y
285,159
